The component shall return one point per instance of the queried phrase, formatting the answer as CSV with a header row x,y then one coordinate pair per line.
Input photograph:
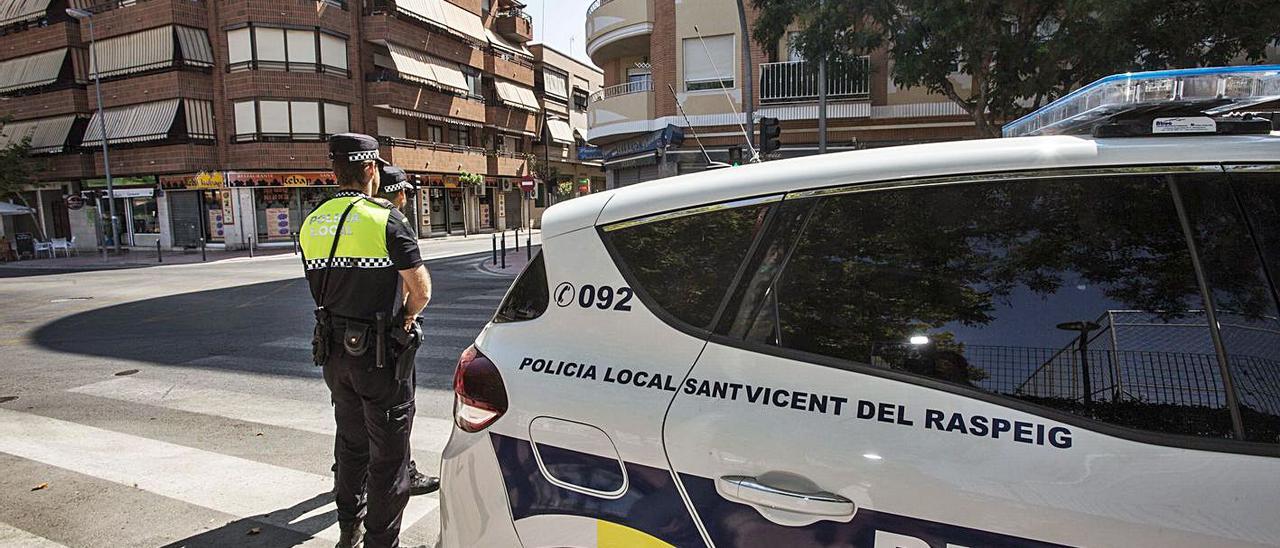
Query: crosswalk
x,y
241,448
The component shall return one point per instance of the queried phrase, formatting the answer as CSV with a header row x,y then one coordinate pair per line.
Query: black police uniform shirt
x,y
377,242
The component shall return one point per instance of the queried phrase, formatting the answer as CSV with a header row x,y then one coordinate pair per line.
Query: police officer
x,y
395,188
367,279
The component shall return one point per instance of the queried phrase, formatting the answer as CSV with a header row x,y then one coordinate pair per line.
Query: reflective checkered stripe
x,y
350,262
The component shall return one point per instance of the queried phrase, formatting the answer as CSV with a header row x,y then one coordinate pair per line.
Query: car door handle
x,y
748,489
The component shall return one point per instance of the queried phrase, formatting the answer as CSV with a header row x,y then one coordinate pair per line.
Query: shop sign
x,y
147,180
584,186
452,181
74,202
242,179
278,223
588,153
204,180
228,207
654,140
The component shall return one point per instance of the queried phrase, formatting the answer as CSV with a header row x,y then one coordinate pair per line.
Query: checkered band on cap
x,y
362,155
350,262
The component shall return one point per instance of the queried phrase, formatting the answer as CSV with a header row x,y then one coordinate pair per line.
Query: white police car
x,y
1032,341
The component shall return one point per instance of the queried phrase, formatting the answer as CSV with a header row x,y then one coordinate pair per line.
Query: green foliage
x,y
1021,54
16,171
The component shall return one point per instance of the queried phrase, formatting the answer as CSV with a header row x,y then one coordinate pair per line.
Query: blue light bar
x,y
1220,89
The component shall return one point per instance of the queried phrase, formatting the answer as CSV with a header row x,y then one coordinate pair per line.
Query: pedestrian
x,y
367,278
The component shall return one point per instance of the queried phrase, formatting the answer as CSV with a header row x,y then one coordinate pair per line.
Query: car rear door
x,y
992,362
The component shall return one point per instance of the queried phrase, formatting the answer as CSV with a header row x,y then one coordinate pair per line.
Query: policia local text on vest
x,y
369,285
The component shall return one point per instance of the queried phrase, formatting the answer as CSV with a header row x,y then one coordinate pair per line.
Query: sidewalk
x,y
432,248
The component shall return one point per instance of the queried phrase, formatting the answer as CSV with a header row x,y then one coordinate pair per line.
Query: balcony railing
x,y
638,86
798,80
516,12
596,5
431,145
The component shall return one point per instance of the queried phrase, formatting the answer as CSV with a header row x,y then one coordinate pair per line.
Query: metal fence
x,y
798,80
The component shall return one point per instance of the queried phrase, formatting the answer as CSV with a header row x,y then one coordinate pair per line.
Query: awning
x,y
427,69
137,52
560,131
10,208
462,21
196,50
133,123
422,115
47,134
31,71
501,43
517,96
17,11
426,10
199,118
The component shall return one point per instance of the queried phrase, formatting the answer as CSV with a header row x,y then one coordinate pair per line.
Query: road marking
x,y
429,434
482,298
236,486
14,537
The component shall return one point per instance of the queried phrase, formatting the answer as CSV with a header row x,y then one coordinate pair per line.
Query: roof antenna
x,y
755,156
695,132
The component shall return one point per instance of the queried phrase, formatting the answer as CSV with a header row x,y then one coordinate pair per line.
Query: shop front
x,y
281,201
442,206
200,211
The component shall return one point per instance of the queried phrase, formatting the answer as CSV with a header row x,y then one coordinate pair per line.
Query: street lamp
x,y
102,123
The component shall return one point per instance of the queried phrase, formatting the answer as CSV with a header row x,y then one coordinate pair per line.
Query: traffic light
x,y
770,135
735,156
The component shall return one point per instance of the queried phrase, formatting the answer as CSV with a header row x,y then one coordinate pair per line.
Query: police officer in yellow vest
x,y
367,278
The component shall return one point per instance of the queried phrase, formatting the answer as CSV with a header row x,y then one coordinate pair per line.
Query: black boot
x,y
419,483
350,536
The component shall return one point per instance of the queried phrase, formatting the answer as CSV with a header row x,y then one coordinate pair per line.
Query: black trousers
x,y
374,413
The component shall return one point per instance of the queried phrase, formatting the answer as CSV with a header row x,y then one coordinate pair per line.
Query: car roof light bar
x,y
1210,90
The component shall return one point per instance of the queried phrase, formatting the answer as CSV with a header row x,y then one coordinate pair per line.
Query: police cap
x,y
393,180
354,147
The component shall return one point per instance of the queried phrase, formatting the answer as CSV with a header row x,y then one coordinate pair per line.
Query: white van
x,y
1067,339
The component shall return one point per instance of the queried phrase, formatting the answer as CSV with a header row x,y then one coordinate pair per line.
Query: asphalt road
x,y
177,406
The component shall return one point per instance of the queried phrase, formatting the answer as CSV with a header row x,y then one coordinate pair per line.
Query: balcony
x,y
618,27
515,25
415,155
513,119
624,108
797,81
508,164
387,87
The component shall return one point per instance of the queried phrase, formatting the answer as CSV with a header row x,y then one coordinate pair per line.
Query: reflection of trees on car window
x,y
1029,288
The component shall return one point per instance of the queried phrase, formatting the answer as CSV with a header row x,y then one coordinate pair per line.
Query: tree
x,y
1021,54
17,171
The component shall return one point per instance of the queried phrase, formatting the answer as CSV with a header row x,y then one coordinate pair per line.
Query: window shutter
x,y
700,65
246,118
239,47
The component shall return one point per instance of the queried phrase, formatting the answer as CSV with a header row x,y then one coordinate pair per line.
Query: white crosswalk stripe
x,y
224,483
12,537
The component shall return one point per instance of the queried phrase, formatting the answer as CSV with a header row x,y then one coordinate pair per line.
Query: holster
x,y
407,344
321,337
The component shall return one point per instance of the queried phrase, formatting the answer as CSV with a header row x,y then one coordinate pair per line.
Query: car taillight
x,y
480,397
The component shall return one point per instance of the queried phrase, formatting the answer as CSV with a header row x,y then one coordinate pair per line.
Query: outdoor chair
x,y
46,247
60,244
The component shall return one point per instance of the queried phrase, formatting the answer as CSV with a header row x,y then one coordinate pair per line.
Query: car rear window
x,y
684,265
528,296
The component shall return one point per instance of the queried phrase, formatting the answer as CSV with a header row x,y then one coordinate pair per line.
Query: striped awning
x,y
137,52
560,131
134,123
17,11
196,50
424,116
47,134
463,22
31,71
501,43
425,68
199,118
517,96
426,10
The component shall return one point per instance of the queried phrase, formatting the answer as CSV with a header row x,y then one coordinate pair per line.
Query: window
x,y
1077,294
282,120
528,297
793,54
460,136
258,47
392,127
473,82
580,97
143,214
435,134
709,62
554,84
687,263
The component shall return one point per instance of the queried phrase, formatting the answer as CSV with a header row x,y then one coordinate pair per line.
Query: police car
x,y
1068,336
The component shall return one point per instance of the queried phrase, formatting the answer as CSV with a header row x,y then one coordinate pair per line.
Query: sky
x,y
560,24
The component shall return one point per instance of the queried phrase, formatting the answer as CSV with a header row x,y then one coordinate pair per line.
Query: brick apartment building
x,y
572,168
667,65
217,111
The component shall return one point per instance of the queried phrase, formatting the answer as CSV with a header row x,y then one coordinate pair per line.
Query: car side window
x,y
685,264
1078,294
529,295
